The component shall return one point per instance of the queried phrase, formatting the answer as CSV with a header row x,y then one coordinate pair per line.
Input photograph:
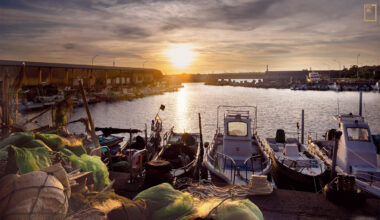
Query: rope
x,y
38,196
364,160
208,216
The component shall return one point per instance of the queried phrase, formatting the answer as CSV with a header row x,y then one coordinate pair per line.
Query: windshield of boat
x,y
237,128
358,134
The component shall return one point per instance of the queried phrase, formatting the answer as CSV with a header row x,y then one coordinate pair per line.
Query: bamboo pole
x,y
93,135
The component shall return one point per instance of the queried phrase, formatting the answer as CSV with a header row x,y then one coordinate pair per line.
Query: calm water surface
x,y
277,108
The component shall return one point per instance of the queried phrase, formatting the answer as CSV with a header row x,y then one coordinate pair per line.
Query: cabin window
x,y
239,129
358,134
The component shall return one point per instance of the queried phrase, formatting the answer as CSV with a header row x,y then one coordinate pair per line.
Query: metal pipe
x,y
335,153
303,126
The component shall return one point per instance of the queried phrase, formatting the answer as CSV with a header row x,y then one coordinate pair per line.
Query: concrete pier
x,y
291,204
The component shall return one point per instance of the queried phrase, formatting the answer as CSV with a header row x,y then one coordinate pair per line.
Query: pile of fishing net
x,y
27,152
164,202
167,203
258,185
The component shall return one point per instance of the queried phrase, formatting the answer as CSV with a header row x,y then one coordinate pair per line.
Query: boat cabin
x,y
356,149
237,138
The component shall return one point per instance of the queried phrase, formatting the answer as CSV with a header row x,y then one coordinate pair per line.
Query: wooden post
x,y
93,135
200,129
335,153
199,157
360,103
5,105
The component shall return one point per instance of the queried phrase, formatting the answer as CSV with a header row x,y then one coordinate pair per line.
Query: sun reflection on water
x,y
182,113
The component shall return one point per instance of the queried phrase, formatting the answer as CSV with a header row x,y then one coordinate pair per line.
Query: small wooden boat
x,y
180,149
110,141
236,152
294,167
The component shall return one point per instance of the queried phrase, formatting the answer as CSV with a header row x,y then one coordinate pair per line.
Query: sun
x,y
181,55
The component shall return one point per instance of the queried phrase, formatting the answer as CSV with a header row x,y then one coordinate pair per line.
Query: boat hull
x,y
286,178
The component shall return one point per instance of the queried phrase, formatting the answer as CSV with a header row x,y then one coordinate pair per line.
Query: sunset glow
x,y
181,56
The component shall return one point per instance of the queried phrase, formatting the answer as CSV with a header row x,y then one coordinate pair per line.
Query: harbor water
x,y
277,108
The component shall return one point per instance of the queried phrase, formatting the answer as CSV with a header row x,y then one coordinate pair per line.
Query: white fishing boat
x,y
236,152
334,86
376,87
356,152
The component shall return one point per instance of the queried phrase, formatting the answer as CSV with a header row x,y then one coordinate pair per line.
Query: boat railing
x,y
227,160
368,177
166,136
250,168
312,163
184,168
310,135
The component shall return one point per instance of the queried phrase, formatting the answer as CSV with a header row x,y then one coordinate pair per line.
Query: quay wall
x,y
62,75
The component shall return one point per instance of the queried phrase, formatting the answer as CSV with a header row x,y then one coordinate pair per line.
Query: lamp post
x,y
357,64
92,60
144,64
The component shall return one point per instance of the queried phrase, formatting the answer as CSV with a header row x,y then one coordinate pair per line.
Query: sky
x,y
213,36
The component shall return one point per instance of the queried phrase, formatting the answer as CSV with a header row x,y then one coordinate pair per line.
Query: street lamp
x,y
144,63
357,64
93,58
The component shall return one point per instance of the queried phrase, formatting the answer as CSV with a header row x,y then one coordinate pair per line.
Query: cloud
x,y
69,46
234,33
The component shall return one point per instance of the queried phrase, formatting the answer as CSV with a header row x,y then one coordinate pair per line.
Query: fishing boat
x,y
180,149
350,150
236,152
110,141
376,87
294,167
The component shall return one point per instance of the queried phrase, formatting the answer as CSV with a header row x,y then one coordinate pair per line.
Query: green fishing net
x,y
31,159
57,143
166,202
90,163
17,139
32,152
